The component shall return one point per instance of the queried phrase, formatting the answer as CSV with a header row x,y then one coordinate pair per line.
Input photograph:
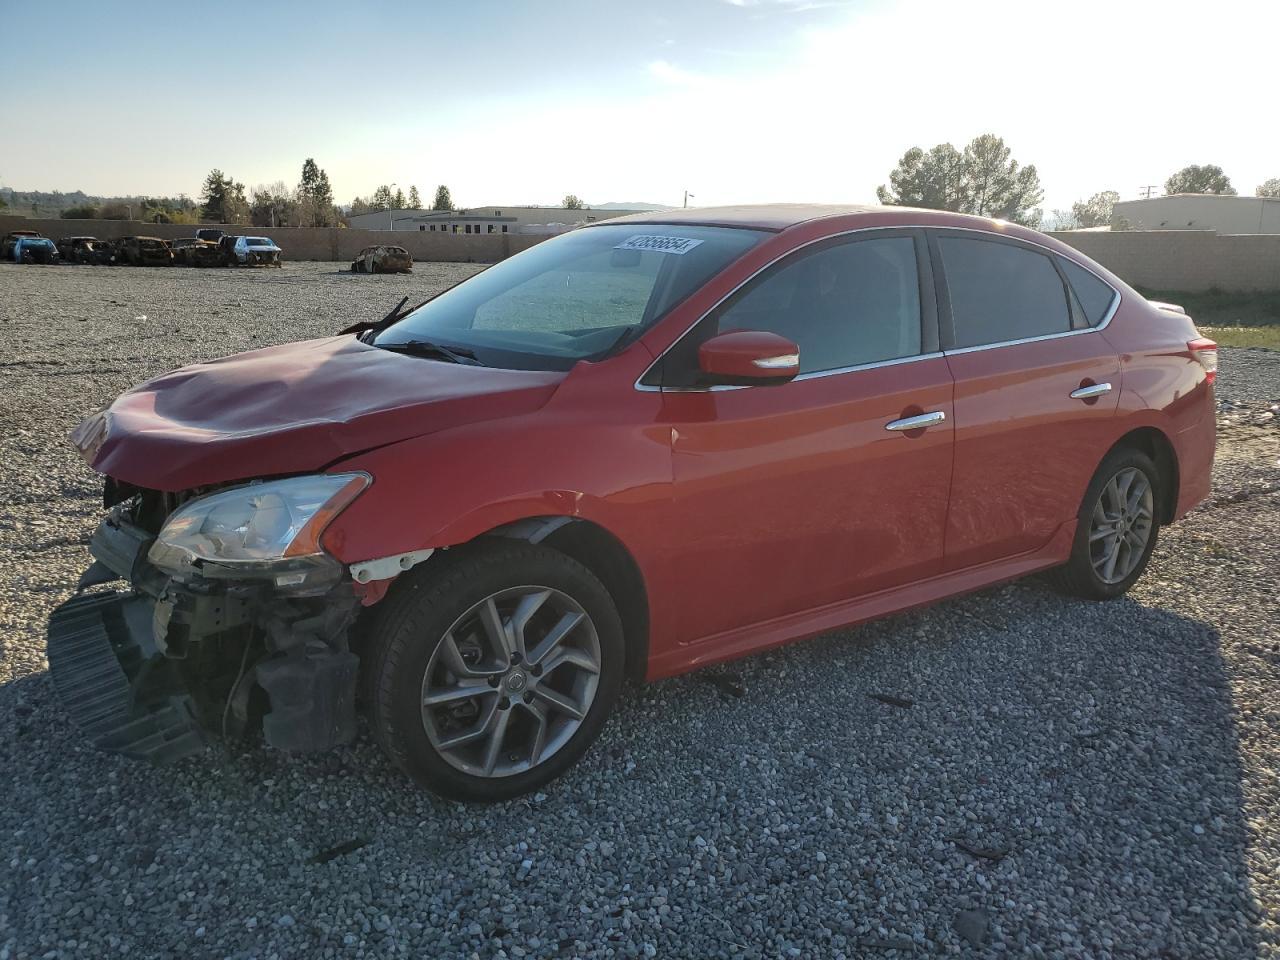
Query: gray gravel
x,y
1007,773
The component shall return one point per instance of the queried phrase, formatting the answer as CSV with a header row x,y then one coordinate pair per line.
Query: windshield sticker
x,y
643,241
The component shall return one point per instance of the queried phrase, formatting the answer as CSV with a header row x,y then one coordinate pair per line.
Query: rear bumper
x,y
152,671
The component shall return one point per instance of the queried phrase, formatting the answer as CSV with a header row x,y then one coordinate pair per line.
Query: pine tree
x,y
415,201
443,200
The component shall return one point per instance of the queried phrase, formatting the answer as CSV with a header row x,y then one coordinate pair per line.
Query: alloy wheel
x,y
1121,526
511,681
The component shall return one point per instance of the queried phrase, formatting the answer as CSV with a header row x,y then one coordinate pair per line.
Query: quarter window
x,y
1001,292
1095,295
852,303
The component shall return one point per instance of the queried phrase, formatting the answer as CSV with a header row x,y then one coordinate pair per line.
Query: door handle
x,y
917,423
1093,390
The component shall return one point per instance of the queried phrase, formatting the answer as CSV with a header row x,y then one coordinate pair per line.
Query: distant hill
x,y
51,203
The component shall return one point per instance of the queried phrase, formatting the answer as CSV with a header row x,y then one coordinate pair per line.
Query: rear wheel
x,y
1117,528
493,671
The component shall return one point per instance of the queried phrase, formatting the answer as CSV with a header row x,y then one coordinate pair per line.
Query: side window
x,y
1001,292
1095,295
852,303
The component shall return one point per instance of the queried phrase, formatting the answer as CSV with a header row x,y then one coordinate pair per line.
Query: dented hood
x,y
291,408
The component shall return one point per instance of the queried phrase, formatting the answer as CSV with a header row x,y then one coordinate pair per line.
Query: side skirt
x,y
799,626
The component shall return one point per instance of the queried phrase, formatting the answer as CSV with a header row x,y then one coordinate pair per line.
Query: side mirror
x,y
748,357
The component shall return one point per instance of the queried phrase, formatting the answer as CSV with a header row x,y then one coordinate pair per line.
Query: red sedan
x,y
651,444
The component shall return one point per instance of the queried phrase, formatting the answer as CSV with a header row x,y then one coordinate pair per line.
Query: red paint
x,y
755,516
737,355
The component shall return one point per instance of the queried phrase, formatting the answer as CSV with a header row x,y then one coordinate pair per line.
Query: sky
x,y
732,100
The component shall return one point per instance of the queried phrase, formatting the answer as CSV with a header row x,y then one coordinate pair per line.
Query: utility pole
x,y
391,217
1148,191
687,195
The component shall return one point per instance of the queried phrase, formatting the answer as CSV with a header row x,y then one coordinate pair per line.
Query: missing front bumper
x,y
147,673
112,681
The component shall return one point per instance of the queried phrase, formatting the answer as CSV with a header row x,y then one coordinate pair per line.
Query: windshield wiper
x,y
425,348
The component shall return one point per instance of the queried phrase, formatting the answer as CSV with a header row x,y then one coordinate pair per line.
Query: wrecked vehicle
x,y
11,238
383,258
649,445
89,250
143,252
34,250
251,252
211,234
194,252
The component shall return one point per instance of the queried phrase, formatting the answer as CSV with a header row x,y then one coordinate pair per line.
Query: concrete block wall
x,y
301,243
1176,260
1185,261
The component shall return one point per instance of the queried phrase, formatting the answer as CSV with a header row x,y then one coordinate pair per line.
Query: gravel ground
x,y
1011,773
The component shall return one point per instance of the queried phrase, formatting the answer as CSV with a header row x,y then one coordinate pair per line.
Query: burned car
x,y
383,258
85,250
34,250
194,252
11,238
250,252
143,252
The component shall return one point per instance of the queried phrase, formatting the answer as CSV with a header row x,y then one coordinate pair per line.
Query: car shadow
x,y
1076,750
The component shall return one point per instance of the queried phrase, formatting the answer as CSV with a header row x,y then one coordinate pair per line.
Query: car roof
x,y
781,216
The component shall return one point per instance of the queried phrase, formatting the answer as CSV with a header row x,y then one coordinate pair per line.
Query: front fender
x,y
449,487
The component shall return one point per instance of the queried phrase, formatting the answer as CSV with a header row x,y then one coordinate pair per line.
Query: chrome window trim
x,y
1115,305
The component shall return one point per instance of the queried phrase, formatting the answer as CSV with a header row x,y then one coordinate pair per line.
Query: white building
x,y
1200,211
482,219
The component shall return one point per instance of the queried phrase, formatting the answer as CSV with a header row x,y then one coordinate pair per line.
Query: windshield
x,y
574,297
260,242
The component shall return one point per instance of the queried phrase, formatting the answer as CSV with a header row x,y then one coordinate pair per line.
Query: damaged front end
x,y
234,615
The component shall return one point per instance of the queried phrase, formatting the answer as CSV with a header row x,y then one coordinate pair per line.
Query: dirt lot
x,y
1008,773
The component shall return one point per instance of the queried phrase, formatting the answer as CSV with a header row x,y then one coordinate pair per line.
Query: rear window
x,y
1095,295
260,242
1001,292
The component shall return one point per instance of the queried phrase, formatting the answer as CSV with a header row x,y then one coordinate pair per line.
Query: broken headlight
x,y
270,528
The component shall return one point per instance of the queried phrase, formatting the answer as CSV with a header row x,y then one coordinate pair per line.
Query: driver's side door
x,y
795,496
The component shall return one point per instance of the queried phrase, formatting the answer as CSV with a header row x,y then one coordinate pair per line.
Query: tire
x,y
555,697
1086,573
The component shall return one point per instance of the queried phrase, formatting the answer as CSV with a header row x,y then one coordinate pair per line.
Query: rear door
x,y
1036,388
794,496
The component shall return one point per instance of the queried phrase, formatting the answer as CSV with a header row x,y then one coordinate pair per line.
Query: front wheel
x,y
492,671
1116,529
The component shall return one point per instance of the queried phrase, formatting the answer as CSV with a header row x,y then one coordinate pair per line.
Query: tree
x,y
1096,211
1195,178
935,180
86,211
415,201
1062,220
1269,188
983,180
443,200
571,202
398,200
223,200
382,198
313,198
270,205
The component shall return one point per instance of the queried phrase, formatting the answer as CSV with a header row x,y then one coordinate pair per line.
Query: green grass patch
x,y
1224,310
1268,338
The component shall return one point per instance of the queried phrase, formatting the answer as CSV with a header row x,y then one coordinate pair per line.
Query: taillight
x,y
1206,353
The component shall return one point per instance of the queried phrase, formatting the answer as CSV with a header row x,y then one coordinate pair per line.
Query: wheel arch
x,y
605,555
1155,444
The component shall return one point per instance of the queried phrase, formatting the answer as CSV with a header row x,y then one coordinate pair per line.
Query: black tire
x,y
411,623
1078,577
